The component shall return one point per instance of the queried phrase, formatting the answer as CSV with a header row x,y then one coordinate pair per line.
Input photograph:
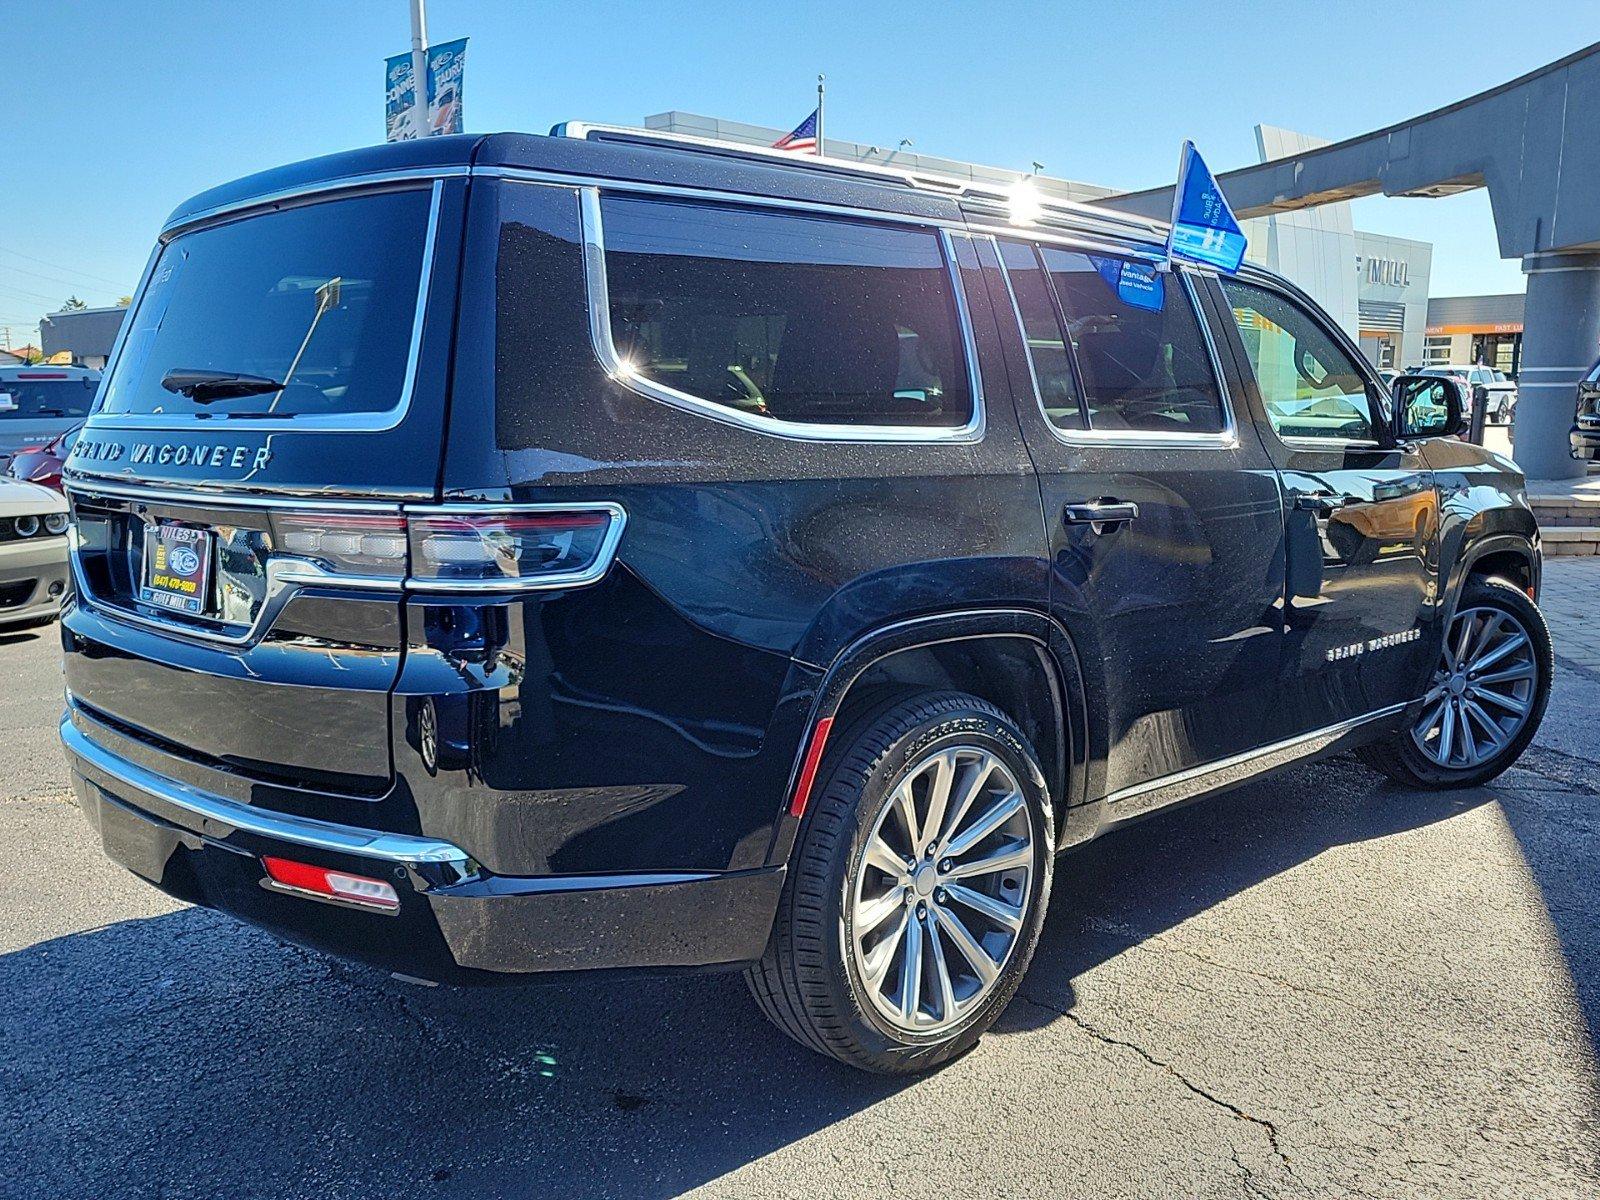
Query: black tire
x,y
1398,756
807,983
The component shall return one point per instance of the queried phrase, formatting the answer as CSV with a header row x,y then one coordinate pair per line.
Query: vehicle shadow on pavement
x,y
185,1054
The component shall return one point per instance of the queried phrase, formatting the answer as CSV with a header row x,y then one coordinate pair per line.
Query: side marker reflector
x,y
808,769
338,885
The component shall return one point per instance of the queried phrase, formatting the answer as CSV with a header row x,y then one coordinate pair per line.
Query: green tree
x,y
73,304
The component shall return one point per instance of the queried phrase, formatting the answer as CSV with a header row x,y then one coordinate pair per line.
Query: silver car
x,y
38,404
33,553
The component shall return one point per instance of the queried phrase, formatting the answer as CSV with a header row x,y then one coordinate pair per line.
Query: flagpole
x,y
820,80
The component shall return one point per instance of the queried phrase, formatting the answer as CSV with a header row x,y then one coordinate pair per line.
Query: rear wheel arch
x,y
1018,660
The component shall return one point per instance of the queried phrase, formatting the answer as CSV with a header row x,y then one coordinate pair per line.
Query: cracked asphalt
x,y
1320,984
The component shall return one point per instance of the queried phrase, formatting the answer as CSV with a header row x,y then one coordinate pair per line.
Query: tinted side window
x,y
1047,341
1310,386
785,315
1139,346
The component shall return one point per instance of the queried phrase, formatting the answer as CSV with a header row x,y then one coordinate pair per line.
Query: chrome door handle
x,y
1100,512
1324,504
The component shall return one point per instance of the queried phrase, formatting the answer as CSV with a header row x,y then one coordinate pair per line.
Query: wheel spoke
x,y
882,956
1509,703
1488,724
941,969
971,788
1469,744
1509,675
1019,854
1490,627
1002,811
998,911
910,998
1464,637
944,770
882,856
1515,642
877,910
975,954
1447,733
906,805
1429,719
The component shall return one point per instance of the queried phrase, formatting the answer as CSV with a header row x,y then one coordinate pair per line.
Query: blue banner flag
x,y
1204,229
446,62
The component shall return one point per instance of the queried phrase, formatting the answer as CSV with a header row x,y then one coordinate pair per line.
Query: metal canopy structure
x,y
1534,143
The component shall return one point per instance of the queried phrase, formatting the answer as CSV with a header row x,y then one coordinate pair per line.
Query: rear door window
x,y
45,399
320,298
788,316
1139,347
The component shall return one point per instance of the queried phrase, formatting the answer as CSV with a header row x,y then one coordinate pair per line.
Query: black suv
x,y
498,557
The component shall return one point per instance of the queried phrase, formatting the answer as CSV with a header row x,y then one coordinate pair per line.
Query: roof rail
x,y
985,194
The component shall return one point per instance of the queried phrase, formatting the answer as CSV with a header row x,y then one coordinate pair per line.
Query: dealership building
x,y
1376,286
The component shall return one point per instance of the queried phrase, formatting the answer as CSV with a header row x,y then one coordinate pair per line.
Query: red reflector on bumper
x,y
338,885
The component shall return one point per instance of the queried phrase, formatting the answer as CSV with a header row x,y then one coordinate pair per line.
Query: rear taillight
x,y
287,874
506,549
458,547
365,544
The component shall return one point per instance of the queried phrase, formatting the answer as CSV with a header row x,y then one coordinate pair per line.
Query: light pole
x,y
419,68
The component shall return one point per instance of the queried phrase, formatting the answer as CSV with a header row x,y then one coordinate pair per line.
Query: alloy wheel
x,y
941,894
1481,692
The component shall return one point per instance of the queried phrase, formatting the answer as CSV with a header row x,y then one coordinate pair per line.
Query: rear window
x,y
798,318
320,298
46,399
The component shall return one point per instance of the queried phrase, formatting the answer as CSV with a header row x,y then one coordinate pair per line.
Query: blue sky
x,y
118,111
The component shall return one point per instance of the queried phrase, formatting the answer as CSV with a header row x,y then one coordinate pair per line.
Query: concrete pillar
x,y
1560,341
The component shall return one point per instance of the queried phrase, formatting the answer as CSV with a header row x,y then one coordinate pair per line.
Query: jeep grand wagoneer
x,y
500,557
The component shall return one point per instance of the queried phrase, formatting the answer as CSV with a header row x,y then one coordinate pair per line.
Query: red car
x,y
42,463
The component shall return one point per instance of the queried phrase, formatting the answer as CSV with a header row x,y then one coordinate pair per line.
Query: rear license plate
x,y
177,567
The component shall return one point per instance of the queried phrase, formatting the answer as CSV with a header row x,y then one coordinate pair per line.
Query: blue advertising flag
x,y
399,94
1204,229
446,63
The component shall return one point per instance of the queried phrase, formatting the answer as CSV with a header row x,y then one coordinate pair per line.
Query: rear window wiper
x,y
205,386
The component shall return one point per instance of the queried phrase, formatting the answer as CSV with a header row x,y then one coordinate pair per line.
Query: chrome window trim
x,y
1225,439
366,422
605,350
301,191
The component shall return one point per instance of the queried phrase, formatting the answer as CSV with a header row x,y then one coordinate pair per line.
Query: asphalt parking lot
x,y
1320,984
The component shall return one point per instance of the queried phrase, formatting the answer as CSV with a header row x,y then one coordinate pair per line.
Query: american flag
x,y
803,137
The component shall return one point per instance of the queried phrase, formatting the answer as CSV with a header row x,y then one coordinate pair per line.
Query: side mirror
x,y
8,402
1426,406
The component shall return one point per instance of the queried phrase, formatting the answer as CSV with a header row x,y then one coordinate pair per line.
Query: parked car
x,y
33,554
805,555
38,404
1586,422
1495,389
42,464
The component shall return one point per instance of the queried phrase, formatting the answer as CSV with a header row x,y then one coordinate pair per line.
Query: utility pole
x,y
820,81
419,68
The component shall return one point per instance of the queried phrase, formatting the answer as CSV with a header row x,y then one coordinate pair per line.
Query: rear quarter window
x,y
792,317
